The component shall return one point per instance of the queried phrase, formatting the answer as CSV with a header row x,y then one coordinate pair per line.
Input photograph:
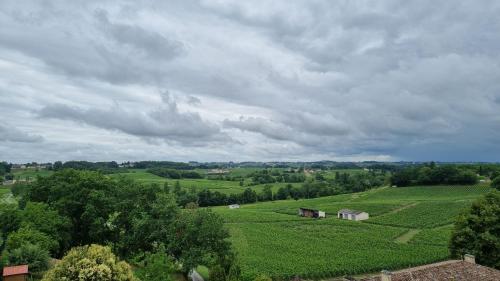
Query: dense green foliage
x,y
71,208
33,255
432,174
175,174
90,263
496,183
477,231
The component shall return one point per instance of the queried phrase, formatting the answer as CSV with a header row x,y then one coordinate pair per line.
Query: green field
x,y
223,186
407,227
28,174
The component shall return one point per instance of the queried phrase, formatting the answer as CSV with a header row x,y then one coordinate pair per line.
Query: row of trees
x,y
431,174
311,188
175,174
72,208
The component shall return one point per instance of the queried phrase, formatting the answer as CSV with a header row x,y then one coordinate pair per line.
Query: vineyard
x,y
269,237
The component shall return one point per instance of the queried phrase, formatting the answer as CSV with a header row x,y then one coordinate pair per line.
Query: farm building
x,y
304,212
15,273
347,214
234,206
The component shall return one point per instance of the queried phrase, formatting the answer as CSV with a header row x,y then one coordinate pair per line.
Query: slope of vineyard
x,y
270,237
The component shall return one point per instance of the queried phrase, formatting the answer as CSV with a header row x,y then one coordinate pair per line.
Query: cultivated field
x,y
408,226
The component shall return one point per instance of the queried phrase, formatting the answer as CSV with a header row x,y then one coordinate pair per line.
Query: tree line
x,y
432,174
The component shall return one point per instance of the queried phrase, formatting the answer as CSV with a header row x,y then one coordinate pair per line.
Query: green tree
x,y
90,263
477,231
28,235
156,266
41,217
36,257
496,183
216,273
198,238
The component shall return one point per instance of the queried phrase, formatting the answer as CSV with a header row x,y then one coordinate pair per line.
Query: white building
x,y
347,214
234,206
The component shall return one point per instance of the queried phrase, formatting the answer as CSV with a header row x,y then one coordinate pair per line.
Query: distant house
x,y
353,215
310,213
15,273
217,172
234,206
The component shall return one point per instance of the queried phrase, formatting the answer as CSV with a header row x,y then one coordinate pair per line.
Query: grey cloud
x,y
154,45
12,134
165,122
340,79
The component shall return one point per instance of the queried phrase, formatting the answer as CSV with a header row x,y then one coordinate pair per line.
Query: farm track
x,y
406,237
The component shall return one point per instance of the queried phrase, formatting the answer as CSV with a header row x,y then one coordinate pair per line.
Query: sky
x,y
249,80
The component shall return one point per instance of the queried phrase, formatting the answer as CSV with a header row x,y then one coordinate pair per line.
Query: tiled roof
x,y
455,270
15,270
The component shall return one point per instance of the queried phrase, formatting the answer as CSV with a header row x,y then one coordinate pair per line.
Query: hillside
x,y
407,226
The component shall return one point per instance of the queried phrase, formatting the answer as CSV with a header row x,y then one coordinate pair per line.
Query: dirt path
x,y
405,238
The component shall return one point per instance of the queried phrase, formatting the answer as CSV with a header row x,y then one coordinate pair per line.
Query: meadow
x,y
407,227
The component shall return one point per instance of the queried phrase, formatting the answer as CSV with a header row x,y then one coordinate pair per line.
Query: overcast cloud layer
x,y
250,80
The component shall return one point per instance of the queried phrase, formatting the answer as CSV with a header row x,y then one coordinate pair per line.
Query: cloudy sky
x,y
250,80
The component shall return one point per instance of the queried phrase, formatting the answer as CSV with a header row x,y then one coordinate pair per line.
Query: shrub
x,y
89,263
34,256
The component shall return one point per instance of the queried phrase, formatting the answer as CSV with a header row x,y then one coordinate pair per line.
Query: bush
x,y
496,183
34,256
89,263
27,235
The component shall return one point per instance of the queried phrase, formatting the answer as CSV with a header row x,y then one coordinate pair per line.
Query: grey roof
x,y
351,212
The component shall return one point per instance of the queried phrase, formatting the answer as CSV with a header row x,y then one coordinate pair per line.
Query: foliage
x,y
41,217
477,231
9,220
28,235
262,277
175,174
199,238
496,183
432,174
156,266
33,255
89,263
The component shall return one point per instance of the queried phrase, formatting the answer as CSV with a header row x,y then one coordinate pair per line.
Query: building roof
x,y
456,270
352,212
15,270
307,209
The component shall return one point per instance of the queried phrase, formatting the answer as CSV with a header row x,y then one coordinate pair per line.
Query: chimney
x,y
385,275
469,258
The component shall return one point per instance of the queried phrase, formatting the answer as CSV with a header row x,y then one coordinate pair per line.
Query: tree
x,y
41,217
496,183
198,238
477,231
89,263
33,255
28,235
156,266
57,166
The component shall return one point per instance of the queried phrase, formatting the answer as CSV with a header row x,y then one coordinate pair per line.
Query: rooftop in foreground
x,y
456,270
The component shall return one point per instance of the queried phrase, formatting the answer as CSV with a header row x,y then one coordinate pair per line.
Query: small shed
x,y
15,273
310,213
234,206
353,215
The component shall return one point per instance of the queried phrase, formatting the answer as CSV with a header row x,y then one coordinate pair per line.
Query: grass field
x,y
30,174
407,227
222,186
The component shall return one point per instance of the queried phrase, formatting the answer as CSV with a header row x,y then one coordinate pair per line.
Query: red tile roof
x,y
449,270
15,270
